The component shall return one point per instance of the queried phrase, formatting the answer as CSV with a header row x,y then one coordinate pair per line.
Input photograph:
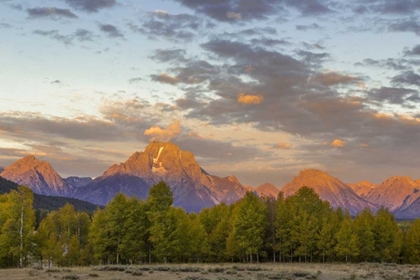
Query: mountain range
x,y
195,189
49,203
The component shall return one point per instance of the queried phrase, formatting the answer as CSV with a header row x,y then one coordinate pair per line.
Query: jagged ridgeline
x,y
195,189
49,202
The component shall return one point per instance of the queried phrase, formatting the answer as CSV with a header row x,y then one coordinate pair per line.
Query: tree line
x,y
299,228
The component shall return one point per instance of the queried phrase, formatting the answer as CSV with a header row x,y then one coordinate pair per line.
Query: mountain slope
x,y
78,181
193,188
38,176
408,211
267,189
227,189
395,192
362,188
103,189
328,188
49,202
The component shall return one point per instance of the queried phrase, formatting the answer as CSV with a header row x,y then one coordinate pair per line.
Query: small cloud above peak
x,y
164,134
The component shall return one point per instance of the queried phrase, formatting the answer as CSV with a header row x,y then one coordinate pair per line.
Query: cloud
x,y
390,63
135,80
173,27
5,25
313,59
410,25
308,7
81,35
415,51
333,78
283,146
53,34
165,78
23,125
217,152
308,27
398,7
407,78
232,10
110,30
169,55
91,5
393,95
165,134
50,13
249,99
232,15
338,143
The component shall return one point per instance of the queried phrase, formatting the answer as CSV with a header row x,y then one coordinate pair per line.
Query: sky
x,y
260,89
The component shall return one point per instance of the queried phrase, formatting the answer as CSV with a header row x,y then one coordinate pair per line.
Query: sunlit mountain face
x,y
256,89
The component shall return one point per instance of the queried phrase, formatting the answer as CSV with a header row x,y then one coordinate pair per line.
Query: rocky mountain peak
x,y
37,175
28,163
395,191
328,188
362,188
193,188
267,189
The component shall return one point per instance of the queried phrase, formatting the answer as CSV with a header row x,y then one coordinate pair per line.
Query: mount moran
x,y
195,189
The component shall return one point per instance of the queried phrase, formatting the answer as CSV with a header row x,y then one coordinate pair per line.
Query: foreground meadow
x,y
223,272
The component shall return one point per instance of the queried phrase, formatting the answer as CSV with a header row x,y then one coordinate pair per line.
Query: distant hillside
x,y
49,202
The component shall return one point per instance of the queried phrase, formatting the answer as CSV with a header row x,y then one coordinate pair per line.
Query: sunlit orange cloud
x,y
364,145
250,98
283,146
165,134
338,143
382,116
333,78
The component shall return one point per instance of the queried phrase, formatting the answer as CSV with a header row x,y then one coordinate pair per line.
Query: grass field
x,y
223,272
